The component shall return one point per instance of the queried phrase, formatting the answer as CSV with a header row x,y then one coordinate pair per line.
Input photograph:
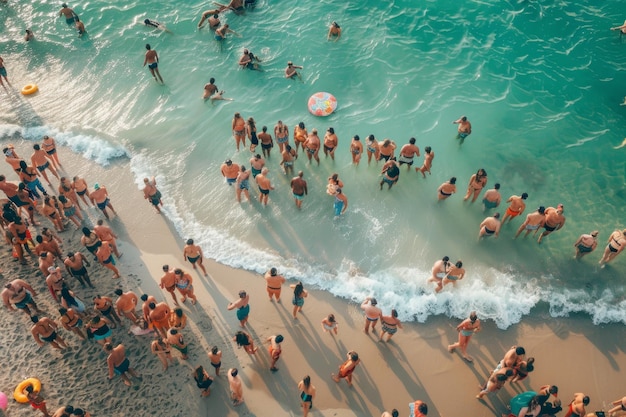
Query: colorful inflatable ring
x,y
322,104
30,89
19,395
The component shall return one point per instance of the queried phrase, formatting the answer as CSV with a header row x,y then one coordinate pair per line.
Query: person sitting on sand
x,y
119,364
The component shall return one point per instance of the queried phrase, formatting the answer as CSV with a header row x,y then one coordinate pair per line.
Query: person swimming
x,y
155,24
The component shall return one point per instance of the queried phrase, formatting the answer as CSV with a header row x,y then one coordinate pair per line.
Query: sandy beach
x,y
570,352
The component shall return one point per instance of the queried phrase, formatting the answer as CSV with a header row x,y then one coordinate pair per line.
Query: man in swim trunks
x,y
407,153
104,254
266,142
516,207
100,197
391,173
236,387
490,226
168,282
40,159
492,198
290,71
256,165
299,189
312,146
289,156
243,307
265,185
275,350
616,244
372,313
193,254
152,59
159,317
19,293
249,61
44,330
274,283
81,188
118,363
151,193
126,304
55,282
386,148
230,171
220,34
356,149
70,15
585,244
465,128
281,133
75,266
106,234
446,189
555,220
533,222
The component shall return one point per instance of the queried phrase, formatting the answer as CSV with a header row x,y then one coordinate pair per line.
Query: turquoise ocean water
x,y
541,83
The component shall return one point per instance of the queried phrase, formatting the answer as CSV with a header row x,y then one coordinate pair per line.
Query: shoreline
x,y
415,365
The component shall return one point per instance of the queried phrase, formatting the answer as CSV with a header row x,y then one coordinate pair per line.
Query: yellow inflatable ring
x,y
30,89
19,395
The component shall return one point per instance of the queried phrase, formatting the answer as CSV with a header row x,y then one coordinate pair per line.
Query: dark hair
x,y
496,215
394,313
173,332
241,339
301,125
394,413
422,408
459,264
144,297
273,272
354,356
212,80
148,46
331,130
62,310
356,137
152,306
586,400
190,241
331,318
234,372
306,381
508,373
214,350
501,377
541,209
36,147
178,311
453,180
520,350
118,291
412,141
39,239
497,186
445,258
524,196
86,231
553,389
279,338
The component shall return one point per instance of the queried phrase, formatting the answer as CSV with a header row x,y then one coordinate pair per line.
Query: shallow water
x,y
540,84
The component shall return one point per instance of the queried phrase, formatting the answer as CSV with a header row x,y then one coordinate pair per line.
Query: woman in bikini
x,y
390,325
330,324
67,189
446,189
307,393
80,186
333,184
184,285
281,132
29,176
244,340
455,273
239,130
161,348
70,211
48,210
91,241
71,321
299,135
372,149
466,329
476,184
617,240
347,368
49,145
203,381
251,133
99,328
356,149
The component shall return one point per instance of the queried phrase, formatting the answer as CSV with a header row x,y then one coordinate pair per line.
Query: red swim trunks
x,y
512,213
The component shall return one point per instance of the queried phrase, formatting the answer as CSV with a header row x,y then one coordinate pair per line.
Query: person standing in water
x,y
152,59
334,32
465,128
616,244
585,244
299,189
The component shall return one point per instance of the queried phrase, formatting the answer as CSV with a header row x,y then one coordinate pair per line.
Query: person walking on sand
x,y
466,330
104,306
265,185
193,254
203,381
615,246
372,313
44,330
492,198
242,304
516,207
215,356
71,321
490,226
20,294
476,184
236,386
446,189
555,220
159,316
274,283
244,340
307,394
275,350
299,294
106,234
329,323
390,325
585,244
620,405
161,349
176,340
49,146
533,222
168,282
299,189
152,59
35,400
577,406
495,382
104,254
119,364
464,129
152,194
347,368
80,186
100,197
184,283
429,155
